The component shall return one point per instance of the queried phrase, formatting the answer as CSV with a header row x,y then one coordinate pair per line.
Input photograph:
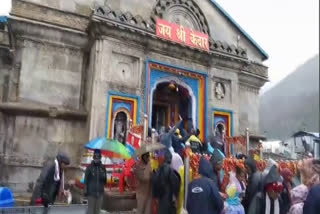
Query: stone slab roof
x,y
138,22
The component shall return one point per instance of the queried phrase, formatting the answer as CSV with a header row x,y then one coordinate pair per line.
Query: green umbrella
x,y
109,147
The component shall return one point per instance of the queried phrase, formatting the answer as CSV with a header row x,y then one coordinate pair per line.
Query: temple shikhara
x,y
72,70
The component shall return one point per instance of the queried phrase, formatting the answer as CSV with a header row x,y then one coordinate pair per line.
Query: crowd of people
x,y
247,191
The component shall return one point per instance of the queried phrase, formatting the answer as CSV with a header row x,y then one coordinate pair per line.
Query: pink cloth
x,y
298,196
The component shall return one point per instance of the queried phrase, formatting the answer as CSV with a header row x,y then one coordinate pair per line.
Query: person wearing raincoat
x,y
216,163
165,186
268,200
298,195
178,142
285,194
142,171
203,195
233,204
195,144
254,184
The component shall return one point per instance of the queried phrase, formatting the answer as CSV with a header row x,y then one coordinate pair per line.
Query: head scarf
x,y
251,164
272,176
286,174
216,158
299,194
205,169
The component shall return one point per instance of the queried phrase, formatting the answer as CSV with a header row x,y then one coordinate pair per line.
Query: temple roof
x,y
138,22
234,23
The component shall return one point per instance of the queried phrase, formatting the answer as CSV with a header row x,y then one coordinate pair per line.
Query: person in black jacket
x,y
51,182
203,195
165,186
254,184
94,180
268,200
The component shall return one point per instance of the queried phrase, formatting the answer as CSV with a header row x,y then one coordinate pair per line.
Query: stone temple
x,y
73,70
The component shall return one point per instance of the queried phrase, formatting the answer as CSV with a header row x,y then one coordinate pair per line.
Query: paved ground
x,y
128,212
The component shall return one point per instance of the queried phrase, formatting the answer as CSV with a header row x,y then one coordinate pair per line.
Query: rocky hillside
x,y
293,104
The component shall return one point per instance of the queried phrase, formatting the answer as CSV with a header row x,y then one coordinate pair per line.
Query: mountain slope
x,y
293,104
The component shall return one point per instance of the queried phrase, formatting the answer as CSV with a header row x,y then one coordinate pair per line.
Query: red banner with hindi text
x,y
181,34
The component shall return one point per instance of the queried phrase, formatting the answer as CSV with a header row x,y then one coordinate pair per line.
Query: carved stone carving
x,y
182,12
220,91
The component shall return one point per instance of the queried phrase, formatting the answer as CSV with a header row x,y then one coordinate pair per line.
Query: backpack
x,y
160,180
158,183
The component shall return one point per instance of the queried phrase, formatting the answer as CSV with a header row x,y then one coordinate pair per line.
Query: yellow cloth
x,y
154,164
180,195
256,157
193,138
231,191
177,132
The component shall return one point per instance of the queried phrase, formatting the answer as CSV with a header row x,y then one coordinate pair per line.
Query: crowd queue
x,y
247,191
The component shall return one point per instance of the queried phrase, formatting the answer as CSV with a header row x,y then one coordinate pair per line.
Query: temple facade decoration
x,y
75,70
121,109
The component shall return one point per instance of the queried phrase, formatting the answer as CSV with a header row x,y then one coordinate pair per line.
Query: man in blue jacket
x,y
203,195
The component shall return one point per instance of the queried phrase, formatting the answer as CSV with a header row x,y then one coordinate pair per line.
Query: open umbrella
x,y
148,147
109,147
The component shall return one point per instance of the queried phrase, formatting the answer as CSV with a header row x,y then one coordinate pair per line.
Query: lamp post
x,y
145,128
247,141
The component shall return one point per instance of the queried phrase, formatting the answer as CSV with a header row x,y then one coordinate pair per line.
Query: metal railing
x,y
72,209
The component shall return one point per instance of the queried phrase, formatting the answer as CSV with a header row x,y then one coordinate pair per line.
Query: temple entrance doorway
x,y
169,101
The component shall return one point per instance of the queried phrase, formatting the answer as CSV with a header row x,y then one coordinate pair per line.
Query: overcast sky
x,y
288,30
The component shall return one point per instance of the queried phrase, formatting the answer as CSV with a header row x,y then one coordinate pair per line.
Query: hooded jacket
x,y
312,203
216,142
215,159
171,181
258,202
298,196
203,195
254,183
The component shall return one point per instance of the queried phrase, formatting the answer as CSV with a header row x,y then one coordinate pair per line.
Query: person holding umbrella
x,y
142,171
94,181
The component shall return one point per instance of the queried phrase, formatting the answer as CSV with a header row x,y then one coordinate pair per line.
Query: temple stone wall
x,y
230,101
248,109
120,67
53,77
42,101
28,143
